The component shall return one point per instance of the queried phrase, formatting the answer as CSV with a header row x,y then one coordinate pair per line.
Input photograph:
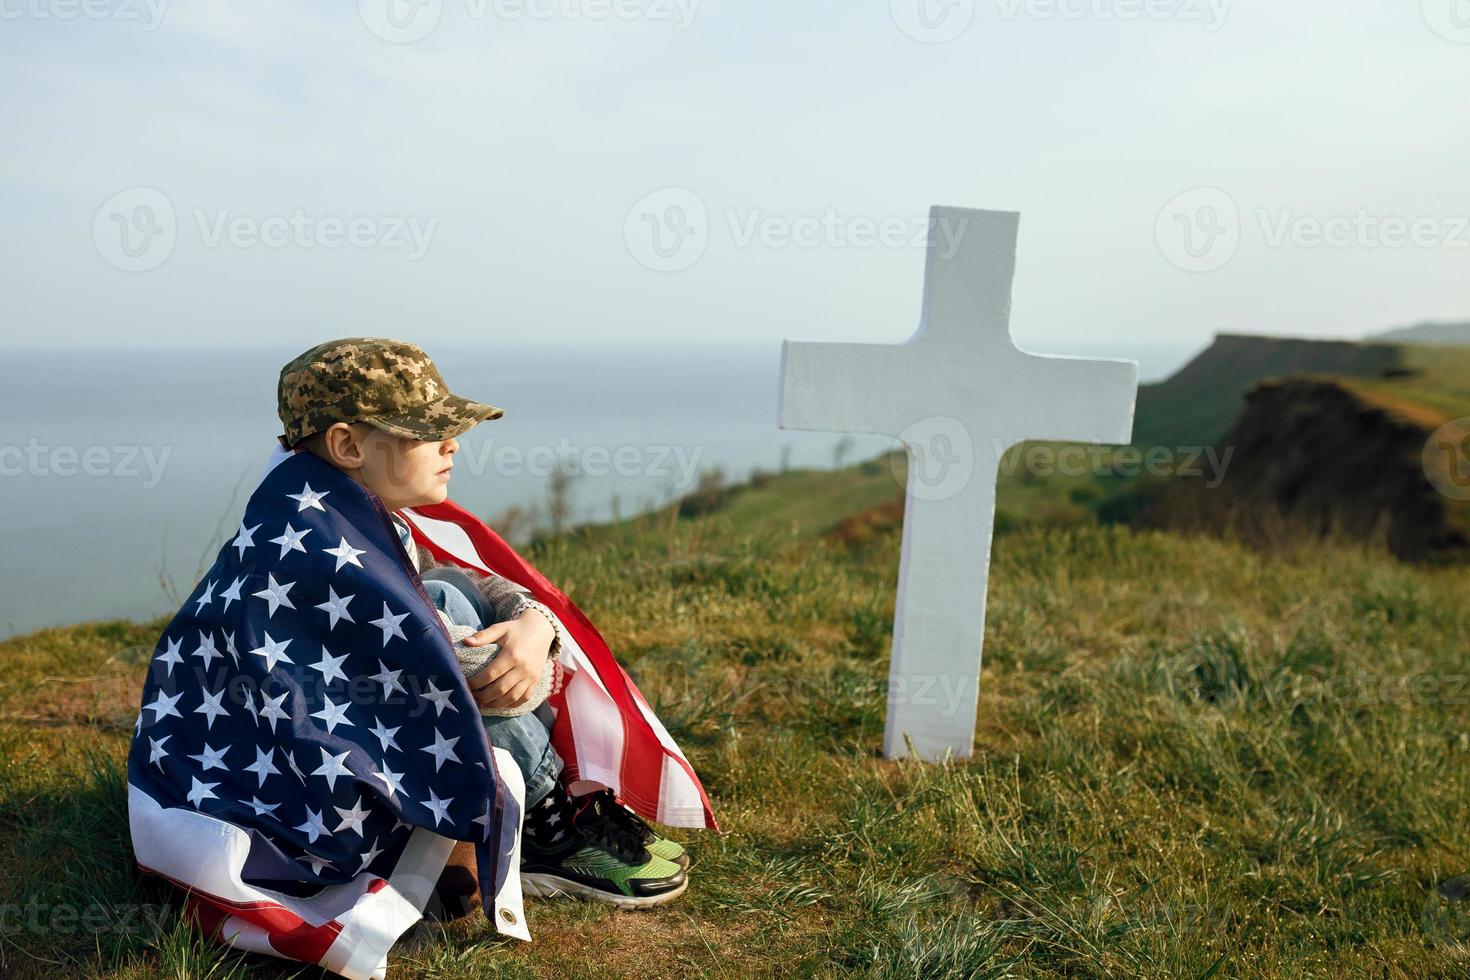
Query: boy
x,y
379,411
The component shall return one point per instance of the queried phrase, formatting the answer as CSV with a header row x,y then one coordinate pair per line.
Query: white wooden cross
x,y
958,393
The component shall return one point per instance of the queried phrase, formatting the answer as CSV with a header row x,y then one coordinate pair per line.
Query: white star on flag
x,y
275,595
262,809
389,680
332,767
232,593
212,758
317,863
207,651
263,766
345,555
390,779
370,856
163,706
313,826
389,624
351,819
438,807
156,751
244,539
332,714
171,655
308,498
329,666
336,607
443,748
385,735
439,698
211,708
199,792
273,652
290,540
205,598
271,710
230,648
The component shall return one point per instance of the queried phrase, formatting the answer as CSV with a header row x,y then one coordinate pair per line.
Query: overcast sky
x,y
560,171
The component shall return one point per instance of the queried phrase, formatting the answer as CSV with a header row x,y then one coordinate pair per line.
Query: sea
x,y
124,470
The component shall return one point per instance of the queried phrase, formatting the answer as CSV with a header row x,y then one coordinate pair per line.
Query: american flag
x,y
307,750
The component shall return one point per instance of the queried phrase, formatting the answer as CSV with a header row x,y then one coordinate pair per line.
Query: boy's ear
x,y
342,444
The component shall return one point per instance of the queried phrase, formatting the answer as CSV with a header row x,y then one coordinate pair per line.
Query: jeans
x,y
526,737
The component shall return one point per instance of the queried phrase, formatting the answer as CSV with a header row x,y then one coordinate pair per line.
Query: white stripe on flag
x,y
679,802
449,536
597,729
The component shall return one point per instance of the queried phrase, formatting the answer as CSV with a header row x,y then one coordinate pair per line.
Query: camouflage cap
x,y
389,384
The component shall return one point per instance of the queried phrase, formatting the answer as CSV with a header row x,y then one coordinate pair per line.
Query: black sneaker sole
x,y
541,884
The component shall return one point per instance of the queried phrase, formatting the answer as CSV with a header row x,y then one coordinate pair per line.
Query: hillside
x,y
1435,378
1193,759
1325,456
1197,405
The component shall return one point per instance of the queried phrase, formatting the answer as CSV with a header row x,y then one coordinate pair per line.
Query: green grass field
x,y
1192,760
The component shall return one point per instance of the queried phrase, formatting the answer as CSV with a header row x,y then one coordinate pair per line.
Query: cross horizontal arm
x,y
1086,400
841,387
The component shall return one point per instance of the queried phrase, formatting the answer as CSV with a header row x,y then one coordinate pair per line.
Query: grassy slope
x,y
1197,405
800,502
1190,759
1440,382
1424,386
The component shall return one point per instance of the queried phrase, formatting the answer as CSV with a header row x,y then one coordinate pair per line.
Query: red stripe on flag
x,y
289,934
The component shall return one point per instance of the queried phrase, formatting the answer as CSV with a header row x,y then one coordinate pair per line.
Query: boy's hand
x,y
525,644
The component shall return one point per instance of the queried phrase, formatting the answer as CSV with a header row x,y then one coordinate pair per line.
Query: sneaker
x,y
606,806
602,861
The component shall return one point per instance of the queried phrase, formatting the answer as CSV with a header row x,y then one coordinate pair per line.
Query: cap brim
x,y
446,418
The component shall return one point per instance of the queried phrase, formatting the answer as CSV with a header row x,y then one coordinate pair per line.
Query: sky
x,y
677,172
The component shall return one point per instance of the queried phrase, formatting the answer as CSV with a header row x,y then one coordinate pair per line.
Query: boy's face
x,y
402,472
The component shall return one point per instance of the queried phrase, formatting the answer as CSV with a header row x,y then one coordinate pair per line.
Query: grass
x,y
1438,381
1192,759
